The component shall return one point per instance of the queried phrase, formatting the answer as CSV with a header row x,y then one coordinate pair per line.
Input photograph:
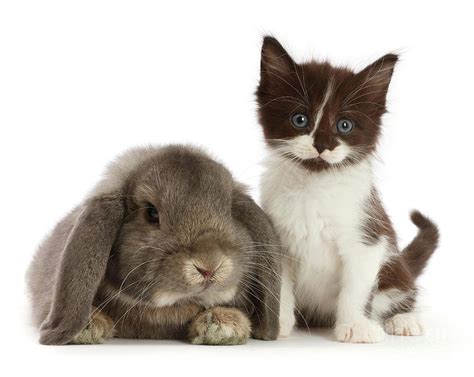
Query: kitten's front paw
x,y
99,328
361,331
405,324
220,326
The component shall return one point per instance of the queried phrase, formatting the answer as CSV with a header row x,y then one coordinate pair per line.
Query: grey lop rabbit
x,y
167,246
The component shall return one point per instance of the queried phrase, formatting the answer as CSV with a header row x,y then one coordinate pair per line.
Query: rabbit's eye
x,y
152,213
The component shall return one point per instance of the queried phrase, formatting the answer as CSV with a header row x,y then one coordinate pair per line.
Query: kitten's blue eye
x,y
299,120
344,126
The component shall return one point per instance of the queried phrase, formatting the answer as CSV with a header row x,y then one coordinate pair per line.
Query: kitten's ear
x,y
374,80
275,60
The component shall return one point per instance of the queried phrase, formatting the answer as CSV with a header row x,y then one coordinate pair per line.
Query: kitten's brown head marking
x,y
319,115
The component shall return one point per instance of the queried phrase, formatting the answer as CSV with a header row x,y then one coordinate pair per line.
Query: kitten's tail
x,y
420,249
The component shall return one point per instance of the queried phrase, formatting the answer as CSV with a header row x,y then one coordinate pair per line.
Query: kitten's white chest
x,y
311,212
317,264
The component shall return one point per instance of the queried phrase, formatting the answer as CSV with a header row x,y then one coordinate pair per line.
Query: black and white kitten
x,y
343,265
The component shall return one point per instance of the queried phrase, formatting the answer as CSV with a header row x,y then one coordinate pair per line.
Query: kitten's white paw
x,y
287,323
361,331
405,324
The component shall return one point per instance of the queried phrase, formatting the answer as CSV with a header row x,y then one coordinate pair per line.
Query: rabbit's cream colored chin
x,y
161,299
214,297
206,297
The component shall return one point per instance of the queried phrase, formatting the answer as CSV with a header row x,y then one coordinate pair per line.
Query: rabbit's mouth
x,y
206,285
207,282
209,294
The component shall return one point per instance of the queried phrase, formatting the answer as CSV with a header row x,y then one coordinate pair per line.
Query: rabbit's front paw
x,y
99,328
220,326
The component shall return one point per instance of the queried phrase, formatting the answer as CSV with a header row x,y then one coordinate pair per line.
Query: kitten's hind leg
x,y
404,324
394,308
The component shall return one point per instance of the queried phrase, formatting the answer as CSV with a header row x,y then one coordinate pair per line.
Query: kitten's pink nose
x,y
207,274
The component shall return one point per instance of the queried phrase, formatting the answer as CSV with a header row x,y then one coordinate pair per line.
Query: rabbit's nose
x,y
207,274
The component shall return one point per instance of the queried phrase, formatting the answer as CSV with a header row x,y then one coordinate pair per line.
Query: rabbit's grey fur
x,y
105,259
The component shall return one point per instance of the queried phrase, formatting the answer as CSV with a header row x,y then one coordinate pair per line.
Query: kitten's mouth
x,y
315,164
311,163
313,158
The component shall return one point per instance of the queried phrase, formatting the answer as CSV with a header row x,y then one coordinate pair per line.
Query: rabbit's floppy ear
x,y
267,283
82,267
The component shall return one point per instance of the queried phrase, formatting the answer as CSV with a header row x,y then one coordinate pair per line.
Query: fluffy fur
x,y
343,266
160,244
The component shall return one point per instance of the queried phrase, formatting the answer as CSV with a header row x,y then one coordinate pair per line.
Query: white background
x,y
81,81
